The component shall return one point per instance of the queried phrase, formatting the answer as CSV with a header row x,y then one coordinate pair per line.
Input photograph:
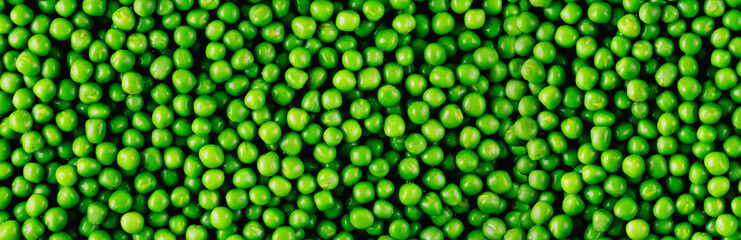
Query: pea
x,y
347,20
637,229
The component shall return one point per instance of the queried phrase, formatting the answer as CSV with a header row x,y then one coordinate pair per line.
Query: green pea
x,y
637,229
560,226
347,20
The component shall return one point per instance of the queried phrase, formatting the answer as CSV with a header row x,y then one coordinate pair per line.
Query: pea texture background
x,y
370,119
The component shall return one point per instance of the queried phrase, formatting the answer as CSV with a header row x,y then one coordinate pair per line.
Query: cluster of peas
x,y
370,119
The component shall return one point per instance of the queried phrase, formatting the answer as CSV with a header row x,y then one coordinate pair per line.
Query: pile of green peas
x,y
370,119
